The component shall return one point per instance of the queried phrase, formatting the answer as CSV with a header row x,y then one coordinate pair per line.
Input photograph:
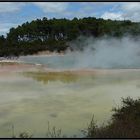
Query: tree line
x,y
54,34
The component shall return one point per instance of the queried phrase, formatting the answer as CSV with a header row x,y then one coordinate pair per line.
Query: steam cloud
x,y
105,52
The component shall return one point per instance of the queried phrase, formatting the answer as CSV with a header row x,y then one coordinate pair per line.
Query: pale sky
x,y
13,14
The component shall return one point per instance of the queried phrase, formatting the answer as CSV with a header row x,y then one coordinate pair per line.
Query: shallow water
x,y
59,62
79,60
67,101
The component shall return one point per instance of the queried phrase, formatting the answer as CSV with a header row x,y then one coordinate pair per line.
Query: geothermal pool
x,y
67,99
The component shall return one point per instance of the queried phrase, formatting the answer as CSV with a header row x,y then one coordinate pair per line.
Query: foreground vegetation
x,y
55,34
125,123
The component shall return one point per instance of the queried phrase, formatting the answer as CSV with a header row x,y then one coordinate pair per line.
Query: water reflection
x,y
46,77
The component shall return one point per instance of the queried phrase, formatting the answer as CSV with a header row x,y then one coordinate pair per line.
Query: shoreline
x,y
20,66
16,64
44,53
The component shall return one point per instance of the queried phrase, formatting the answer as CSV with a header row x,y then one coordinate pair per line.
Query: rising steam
x,y
105,52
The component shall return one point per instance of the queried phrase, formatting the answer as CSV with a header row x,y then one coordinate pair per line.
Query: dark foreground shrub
x,y
125,122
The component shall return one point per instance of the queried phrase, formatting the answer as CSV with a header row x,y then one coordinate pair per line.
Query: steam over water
x,y
97,53
31,97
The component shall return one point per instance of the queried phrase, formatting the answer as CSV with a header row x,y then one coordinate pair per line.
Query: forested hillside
x,y
53,34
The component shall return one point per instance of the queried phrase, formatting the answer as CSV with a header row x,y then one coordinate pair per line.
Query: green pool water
x,y
66,100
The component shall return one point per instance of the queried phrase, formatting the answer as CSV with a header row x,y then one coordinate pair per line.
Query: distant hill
x,y
53,34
